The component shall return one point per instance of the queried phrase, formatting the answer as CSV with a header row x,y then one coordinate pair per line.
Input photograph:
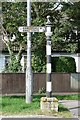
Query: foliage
x,y
14,65
38,52
36,64
42,90
14,15
64,17
64,64
61,25
64,23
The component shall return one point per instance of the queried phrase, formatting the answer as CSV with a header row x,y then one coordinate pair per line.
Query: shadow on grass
x,y
8,97
37,98
62,108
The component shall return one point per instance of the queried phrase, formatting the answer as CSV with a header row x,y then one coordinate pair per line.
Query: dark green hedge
x,y
63,64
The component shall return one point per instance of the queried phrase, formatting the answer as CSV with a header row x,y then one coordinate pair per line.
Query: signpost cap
x,y
48,20
48,16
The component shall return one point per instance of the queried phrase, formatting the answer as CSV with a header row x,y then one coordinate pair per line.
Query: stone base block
x,y
49,104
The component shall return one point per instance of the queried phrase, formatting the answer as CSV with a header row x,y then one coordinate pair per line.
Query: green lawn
x,y
68,97
64,97
16,105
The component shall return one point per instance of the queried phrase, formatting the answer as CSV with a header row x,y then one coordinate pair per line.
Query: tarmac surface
x,y
73,106
36,118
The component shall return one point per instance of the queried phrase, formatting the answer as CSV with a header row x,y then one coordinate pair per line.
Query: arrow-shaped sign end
x,y
20,29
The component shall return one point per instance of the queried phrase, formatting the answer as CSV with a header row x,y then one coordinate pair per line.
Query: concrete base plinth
x,y
49,104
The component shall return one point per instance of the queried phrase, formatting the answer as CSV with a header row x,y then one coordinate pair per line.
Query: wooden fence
x,y
14,83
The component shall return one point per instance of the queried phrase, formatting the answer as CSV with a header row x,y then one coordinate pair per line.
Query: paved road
x,y
37,118
73,106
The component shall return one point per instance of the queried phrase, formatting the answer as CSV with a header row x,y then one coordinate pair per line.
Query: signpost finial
x,y
48,20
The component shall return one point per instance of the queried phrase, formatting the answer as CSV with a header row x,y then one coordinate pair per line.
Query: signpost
x,y
51,102
31,29
48,33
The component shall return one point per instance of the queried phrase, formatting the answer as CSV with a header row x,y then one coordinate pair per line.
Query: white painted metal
x,y
48,49
48,67
49,87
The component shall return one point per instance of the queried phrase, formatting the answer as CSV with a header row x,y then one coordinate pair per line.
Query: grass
x,y
68,97
16,105
65,97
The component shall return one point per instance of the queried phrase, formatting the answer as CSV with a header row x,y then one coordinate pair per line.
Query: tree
x,y
13,16
63,64
63,17
61,25
68,19
41,10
